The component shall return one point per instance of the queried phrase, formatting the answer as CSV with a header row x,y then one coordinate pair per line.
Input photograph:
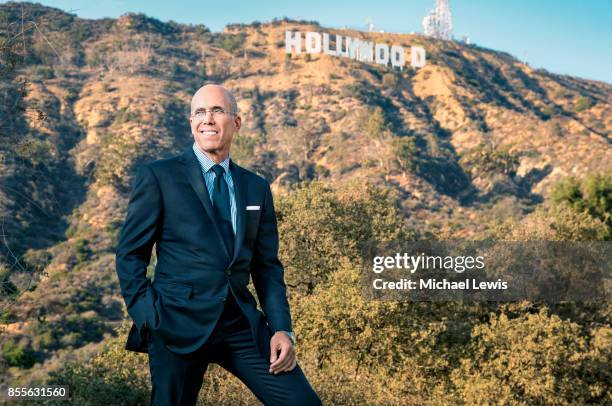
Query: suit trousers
x,y
177,378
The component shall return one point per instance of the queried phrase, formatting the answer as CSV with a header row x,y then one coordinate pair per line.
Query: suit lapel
x,y
193,172
240,193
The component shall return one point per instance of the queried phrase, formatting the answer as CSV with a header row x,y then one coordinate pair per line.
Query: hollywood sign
x,y
353,48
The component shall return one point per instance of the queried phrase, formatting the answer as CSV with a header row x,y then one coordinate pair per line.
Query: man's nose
x,y
209,117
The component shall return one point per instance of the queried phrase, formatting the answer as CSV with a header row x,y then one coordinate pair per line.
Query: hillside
x,y
473,138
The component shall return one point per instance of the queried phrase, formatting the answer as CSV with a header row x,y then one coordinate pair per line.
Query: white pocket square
x,y
252,207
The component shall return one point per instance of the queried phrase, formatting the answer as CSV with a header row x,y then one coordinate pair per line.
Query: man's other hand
x,y
282,353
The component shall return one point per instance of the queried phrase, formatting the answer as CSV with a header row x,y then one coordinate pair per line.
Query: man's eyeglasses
x,y
217,112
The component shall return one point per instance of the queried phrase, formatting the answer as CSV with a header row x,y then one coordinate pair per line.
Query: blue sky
x,y
562,36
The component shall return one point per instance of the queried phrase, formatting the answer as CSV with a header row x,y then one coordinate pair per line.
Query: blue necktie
x,y
221,206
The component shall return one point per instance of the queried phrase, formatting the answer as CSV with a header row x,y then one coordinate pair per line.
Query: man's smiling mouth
x,y
209,132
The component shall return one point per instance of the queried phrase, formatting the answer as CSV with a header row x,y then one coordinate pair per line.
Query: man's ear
x,y
237,122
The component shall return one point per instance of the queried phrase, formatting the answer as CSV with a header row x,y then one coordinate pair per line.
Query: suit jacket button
x,y
222,299
228,272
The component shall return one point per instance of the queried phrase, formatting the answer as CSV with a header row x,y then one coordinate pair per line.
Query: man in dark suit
x,y
213,225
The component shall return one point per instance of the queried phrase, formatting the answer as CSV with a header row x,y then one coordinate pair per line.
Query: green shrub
x,y
37,260
592,195
18,354
375,347
232,42
78,34
531,359
89,329
116,156
7,288
113,377
486,159
37,151
81,250
318,226
243,149
45,340
375,126
582,104
405,153
45,72
72,93
124,115
568,190
6,316
559,222
73,340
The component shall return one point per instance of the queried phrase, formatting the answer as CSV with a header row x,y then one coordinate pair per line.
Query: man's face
x,y
213,133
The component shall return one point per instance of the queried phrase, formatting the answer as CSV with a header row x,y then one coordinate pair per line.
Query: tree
x,y
18,354
375,127
379,131
592,195
405,153
533,359
319,226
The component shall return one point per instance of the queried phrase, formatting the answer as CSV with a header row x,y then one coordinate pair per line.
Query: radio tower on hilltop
x,y
438,23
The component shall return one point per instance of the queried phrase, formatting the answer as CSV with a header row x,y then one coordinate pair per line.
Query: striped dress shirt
x,y
209,177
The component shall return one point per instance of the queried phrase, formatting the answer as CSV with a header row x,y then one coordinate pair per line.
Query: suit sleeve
x,y
267,270
139,233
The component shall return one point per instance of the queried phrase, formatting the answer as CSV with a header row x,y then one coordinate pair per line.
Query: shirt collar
x,y
206,163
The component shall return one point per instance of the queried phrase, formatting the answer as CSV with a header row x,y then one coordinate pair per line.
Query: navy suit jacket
x,y
170,207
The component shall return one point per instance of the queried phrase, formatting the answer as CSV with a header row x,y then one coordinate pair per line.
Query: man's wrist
x,y
289,334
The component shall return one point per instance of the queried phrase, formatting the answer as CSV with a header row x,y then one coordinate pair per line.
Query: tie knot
x,y
218,170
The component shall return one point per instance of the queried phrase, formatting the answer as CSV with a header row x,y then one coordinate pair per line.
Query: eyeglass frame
x,y
201,112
